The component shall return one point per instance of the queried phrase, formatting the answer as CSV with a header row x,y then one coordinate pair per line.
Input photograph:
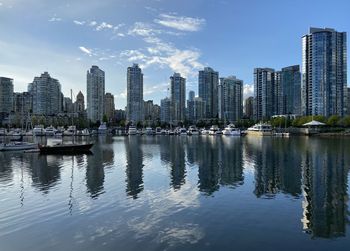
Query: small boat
x,y
192,130
39,130
17,146
50,131
214,130
149,131
204,131
85,132
65,148
102,129
132,130
2,131
183,131
71,131
261,129
158,131
231,130
171,132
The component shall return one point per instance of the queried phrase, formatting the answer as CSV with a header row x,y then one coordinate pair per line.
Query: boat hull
x,y
259,133
15,147
80,148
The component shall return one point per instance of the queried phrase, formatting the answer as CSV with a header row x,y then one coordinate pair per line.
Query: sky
x,y
67,37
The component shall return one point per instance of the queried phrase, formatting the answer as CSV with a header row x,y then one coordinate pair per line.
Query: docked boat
x,y
50,131
171,132
2,131
17,146
39,130
231,130
85,132
102,129
204,131
71,131
261,129
183,131
158,130
193,131
132,130
149,131
65,148
214,130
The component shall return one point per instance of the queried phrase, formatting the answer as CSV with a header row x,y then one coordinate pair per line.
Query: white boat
x,y
183,131
214,130
231,130
132,130
163,132
39,130
193,131
149,131
71,131
85,132
2,131
102,129
17,146
50,131
261,129
158,130
171,132
29,133
204,131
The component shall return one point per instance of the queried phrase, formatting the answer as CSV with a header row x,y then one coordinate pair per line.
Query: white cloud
x,y
248,90
0,4
104,26
92,23
85,50
79,22
180,22
148,90
55,19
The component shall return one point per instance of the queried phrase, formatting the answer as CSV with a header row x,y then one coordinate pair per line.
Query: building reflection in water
x,y
103,156
134,167
324,177
172,152
276,166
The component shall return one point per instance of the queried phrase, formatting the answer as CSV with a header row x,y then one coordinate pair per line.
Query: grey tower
x,y
95,94
208,81
134,109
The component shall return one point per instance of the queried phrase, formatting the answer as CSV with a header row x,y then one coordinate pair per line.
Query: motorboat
x,y
17,146
261,129
158,130
132,130
171,132
183,131
204,131
163,132
214,130
231,130
71,131
149,131
50,131
102,129
39,130
65,148
193,131
2,131
85,132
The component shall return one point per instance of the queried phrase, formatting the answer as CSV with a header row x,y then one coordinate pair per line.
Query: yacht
x,y
231,130
2,131
171,132
261,129
149,131
163,132
183,131
158,131
214,130
85,132
71,131
132,130
39,130
50,131
102,129
17,146
193,131
204,131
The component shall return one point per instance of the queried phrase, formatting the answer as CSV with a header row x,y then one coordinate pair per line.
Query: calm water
x,y
179,193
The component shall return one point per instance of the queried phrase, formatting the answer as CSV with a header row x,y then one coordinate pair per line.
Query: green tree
x,y
333,120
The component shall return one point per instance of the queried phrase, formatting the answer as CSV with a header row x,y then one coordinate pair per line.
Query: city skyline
x,y
162,37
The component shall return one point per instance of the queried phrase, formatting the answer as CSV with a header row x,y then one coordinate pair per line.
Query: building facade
x,y
249,108
230,99
134,110
199,109
289,95
178,98
22,103
109,106
46,94
95,93
79,104
324,72
6,95
208,81
165,110
190,107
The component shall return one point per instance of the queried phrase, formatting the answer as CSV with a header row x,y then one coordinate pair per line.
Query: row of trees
x,y
332,121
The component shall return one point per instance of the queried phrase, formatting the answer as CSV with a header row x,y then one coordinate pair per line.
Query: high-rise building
x,y
22,103
6,95
68,105
199,109
120,115
324,72
289,96
109,106
208,81
46,94
165,110
148,109
264,93
230,99
134,110
348,100
178,97
248,107
156,113
79,105
190,106
95,93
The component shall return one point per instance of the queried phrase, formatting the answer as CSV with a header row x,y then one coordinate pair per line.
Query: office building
x,y
165,110
208,81
134,110
6,95
109,106
178,97
95,93
248,107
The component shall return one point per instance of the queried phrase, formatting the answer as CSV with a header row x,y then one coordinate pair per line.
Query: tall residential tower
x,y
134,109
95,94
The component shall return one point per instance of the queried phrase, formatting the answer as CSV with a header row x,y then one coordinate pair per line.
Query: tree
x,y
105,119
333,120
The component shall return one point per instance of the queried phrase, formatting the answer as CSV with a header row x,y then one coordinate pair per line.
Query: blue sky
x,y
233,37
